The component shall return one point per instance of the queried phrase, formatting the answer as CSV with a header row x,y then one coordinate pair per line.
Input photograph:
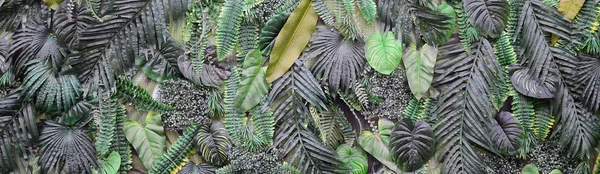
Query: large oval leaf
x,y
148,140
487,16
292,39
354,158
506,132
530,169
383,53
411,144
419,68
111,164
376,144
270,32
253,86
212,143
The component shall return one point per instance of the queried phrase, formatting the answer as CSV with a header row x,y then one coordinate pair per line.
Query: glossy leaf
x,y
354,158
411,144
419,63
487,16
111,164
377,144
506,133
291,40
270,32
530,169
148,140
383,53
253,85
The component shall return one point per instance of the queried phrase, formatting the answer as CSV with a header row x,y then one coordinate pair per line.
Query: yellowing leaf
x,y
570,8
292,39
53,4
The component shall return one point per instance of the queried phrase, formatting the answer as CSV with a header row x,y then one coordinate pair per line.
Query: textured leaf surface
x,y
377,144
111,164
411,144
506,132
292,39
383,53
270,32
488,16
354,157
570,8
253,85
419,63
148,140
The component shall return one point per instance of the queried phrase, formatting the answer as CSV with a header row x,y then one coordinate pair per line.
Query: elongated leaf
x,y
111,164
377,144
419,65
270,32
411,144
292,39
228,30
487,16
570,8
526,84
253,86
383,53
148,140
354,157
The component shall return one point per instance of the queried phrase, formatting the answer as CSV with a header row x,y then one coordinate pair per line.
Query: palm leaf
x,y
587,78
465,104
291,40
212,143
487,16
331,131
202,168
418,20
17,131
54,92
148,140
253,85
136,95
66,148
383,53
419,63
411,144
70,24
339,60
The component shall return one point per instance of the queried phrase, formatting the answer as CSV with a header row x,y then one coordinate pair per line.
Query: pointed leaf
x,y
111,164
411,144
419,68
570,8
354,157
530,169
270,32
383,53
253,86
292,39
487,16
506,133
149,140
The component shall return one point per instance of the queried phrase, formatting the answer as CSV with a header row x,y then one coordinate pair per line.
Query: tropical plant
x,y
294,86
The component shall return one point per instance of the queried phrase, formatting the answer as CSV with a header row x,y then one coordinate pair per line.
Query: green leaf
x,y
148,140
419,68
383,53
253,85
530,169
53,4
354,157
228,30
555,171
449,11
111,164
270,32
292,39
376,144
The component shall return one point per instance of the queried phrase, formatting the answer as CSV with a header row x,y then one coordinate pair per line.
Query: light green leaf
x,y
383,53
448,10
148,140
253,85
555,171
292,39
111,164
376,145
530,169
53,4
419,68
354,158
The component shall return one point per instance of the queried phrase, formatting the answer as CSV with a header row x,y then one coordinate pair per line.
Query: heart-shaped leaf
x,y
111,164
148,140
419,65
383,53
411,144
354,157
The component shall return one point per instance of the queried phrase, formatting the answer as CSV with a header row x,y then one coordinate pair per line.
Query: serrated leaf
x,y
148,140
253,85
383,53
419,68
292,39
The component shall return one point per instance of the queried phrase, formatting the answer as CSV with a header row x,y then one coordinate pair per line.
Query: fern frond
x,y
264,125
119,142
137,96
586,25
178,153
347,131
106,127
543,121
287,7
368,9
412,110
361,94
331,132
233,119
248,38
324,12
522,107
466,32
215,107
228,28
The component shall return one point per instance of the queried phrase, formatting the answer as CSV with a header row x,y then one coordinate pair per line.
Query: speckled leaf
x,y
419,68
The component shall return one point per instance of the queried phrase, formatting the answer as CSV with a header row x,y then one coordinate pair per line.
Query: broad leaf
x,y
253,86
148,140
487,16
570,8
506,133
191,168
448,11
525,83
411,144
530,169
354,158
291,40
212,143
419,63
111,164
66,148
270,32
377,144
383,53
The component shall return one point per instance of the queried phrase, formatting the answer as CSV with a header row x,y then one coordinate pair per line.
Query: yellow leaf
x,y
53,4
292,39
570,8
